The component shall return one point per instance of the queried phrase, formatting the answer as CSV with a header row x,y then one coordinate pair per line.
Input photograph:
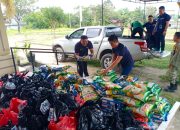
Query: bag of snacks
x,y
145,110
129,101
88,93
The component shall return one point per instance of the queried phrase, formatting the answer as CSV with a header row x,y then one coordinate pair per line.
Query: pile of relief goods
x,y
54,98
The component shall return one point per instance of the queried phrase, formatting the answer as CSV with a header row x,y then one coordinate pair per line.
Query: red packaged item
x,y
79,100
1,84
140,118
17,104
65,123
52,126
7,116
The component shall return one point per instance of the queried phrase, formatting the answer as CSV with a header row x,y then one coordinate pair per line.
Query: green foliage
x,y
150,10
36,20
92,15
54,15
22,8
26,45
46,18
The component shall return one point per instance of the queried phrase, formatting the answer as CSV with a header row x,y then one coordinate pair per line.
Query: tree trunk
x,y
19,27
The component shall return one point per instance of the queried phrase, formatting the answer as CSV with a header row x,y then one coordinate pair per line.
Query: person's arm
x,y
113,64
175,60
166,27
90,46
92,51
167,24
113,57
131,27
76,49
144,28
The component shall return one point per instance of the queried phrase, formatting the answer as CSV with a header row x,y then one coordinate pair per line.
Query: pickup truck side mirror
x,y
67,37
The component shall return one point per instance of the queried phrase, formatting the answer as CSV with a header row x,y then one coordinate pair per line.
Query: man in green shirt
x,y
136,27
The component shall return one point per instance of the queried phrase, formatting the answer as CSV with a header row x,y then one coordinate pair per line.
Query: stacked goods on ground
x,y
56,99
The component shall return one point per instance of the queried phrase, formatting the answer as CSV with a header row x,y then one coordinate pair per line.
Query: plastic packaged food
x,y
154,88
162,106
145,110
129,101
88,93
132,79
111,86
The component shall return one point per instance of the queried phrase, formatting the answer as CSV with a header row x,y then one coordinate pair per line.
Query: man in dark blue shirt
x,y
81,50
120,55
149,30
160,29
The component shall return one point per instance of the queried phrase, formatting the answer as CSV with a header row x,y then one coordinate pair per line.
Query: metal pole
x,y
80,16
56,57
12,54
102,13
177,28
69,20
144,12
32,62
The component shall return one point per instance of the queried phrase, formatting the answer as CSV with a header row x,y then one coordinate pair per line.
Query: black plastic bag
x,y
90,117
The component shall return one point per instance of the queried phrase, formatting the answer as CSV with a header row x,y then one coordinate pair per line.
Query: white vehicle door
x,y
95,36
73,39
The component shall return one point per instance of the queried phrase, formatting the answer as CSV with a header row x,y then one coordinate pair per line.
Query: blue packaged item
x,y
109,104
101,91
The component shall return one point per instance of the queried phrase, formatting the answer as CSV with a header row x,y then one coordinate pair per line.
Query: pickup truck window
x,y
77,34
93,32
113,30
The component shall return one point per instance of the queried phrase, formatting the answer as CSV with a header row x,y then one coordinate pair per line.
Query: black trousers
x,y
160,41
150,39
82,68
137,30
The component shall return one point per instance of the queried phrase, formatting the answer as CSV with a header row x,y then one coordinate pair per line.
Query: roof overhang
x,y
151,1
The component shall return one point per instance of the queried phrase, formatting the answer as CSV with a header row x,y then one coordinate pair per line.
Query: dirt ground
x,y
144,73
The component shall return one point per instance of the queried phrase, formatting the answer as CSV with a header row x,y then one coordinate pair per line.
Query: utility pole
x,y
102,13
80,15
144,17
177,28
69,20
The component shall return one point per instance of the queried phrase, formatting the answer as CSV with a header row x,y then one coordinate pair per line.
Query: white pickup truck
x,y
98,35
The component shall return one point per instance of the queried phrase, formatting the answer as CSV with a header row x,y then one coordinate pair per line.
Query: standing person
x,y
149,31
161,29
81,50
136,27
120,55
174,65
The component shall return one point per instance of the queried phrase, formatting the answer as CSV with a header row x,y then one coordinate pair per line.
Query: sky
x,y
69,5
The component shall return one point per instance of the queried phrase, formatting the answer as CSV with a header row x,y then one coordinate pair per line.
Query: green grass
x,y
95,63
161,63
24,31
170,96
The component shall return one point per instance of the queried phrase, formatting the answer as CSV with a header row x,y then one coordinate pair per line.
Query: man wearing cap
x,y
81,50
160,29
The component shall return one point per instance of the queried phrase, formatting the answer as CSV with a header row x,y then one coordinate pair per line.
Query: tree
x,y
55,16
108,11
22,8
36,20
150,10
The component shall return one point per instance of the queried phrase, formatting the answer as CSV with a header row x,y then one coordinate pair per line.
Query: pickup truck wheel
x,y
60,56
106,60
